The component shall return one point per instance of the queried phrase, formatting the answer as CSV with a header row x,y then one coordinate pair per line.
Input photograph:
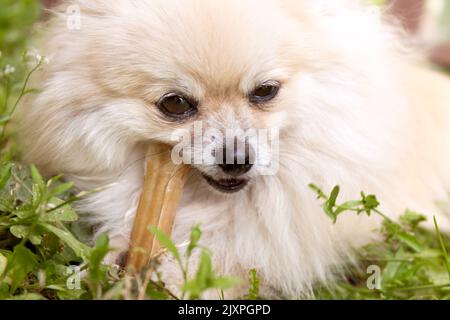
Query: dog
x,y
351,104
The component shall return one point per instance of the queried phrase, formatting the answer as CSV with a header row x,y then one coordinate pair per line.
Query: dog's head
x,y
222,75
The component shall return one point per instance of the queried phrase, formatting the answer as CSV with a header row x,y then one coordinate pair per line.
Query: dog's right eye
x,y
176,106
265,92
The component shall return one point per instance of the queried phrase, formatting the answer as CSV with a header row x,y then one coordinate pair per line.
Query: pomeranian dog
x,y
351,107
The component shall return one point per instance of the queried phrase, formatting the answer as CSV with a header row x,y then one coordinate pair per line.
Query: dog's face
x,y
168,66
219,70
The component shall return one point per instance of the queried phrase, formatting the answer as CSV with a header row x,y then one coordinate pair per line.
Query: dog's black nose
x,y
236,161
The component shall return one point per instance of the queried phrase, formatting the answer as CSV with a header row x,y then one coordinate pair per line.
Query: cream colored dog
x,y
351,108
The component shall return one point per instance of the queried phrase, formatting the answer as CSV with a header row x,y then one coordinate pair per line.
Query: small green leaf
x,y
370,202
166,242
37,196
253,292
391,229
196,234
61,214
22,232
224,283
37,178
6,205
60,189
5,174
54,180
206,279
5,119
412,219
96,271
25,212
329,205
3,264
80,249
333,197
203,277
409,240
21,262
205,268
35,239
389,272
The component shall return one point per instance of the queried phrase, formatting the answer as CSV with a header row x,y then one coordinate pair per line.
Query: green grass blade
x,y
443,247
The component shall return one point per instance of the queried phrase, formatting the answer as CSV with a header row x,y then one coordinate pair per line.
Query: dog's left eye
x,y
177,106
265,92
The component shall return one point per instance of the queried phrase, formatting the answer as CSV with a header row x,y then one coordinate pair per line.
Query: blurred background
x,y
428,23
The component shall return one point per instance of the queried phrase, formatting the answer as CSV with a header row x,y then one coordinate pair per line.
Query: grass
x,y
42,256
410,262
45,252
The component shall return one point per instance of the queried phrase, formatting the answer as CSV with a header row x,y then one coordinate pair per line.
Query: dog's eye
x,y
265,92
177,106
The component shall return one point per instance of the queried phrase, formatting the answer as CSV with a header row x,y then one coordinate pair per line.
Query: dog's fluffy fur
x,y
352,111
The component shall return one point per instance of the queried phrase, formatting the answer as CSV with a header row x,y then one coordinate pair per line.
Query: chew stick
x,y
163,184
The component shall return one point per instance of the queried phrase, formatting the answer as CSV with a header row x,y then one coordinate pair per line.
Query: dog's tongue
x,y
163,184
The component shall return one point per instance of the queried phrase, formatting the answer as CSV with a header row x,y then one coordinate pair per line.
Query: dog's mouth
x,y
231,185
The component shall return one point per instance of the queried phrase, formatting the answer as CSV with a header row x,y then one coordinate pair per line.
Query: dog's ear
x,y
50,3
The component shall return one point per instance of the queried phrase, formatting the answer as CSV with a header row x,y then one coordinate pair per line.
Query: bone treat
x,y
163,185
